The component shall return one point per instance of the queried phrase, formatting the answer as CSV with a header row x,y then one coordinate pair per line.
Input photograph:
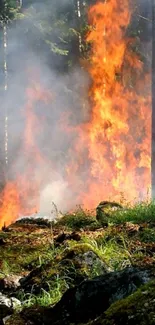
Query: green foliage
x,y
16,257
53,25
8,10
5,268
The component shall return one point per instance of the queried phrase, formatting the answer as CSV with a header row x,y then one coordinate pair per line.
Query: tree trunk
x,y
153,100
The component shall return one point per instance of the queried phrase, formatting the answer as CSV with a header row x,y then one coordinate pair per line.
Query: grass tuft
x,y
142,212
77,220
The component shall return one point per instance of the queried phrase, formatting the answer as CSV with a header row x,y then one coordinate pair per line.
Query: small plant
x,y
148,235
45,298
5,268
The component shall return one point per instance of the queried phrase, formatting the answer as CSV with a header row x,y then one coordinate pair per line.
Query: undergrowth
x,y
33,246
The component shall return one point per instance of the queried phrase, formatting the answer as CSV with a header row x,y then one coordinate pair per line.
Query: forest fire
x,y
117,137
119,132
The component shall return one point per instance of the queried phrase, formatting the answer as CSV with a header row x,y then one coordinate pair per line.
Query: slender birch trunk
x,y
79,23
5,68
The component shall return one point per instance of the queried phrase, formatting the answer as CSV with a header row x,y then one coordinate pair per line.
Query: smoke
x,y
42,96
56,192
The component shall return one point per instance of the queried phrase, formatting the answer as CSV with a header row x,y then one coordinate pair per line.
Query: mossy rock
x,y
85,255
106,209
136,309
79,262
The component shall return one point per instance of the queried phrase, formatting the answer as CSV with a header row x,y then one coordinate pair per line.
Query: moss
x,y
22,247
36,221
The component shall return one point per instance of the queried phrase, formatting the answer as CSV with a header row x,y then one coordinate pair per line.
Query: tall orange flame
x,y
115,145
119,133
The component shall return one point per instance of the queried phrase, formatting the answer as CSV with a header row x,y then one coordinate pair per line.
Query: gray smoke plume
x,y
30,66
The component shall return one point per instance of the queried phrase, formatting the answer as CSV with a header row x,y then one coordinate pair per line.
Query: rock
x,y
137,309
5,319
60,238
90,260
85,261
105,209
10,283
89,302
80,262
8,305
29,283
92,297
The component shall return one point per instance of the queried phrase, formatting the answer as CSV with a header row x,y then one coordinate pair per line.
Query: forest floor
x,y
57,271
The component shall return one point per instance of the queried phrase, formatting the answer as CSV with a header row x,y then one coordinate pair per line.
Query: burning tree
x,y
118,135
105,133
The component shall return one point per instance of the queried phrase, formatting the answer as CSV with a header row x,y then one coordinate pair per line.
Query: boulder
x,y
137,309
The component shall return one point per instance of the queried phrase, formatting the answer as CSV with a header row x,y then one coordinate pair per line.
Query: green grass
x,y
115,255
80,219
45,298
18,258
142,212
77,220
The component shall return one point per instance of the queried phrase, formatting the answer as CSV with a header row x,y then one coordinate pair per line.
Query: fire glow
x,y
117,137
